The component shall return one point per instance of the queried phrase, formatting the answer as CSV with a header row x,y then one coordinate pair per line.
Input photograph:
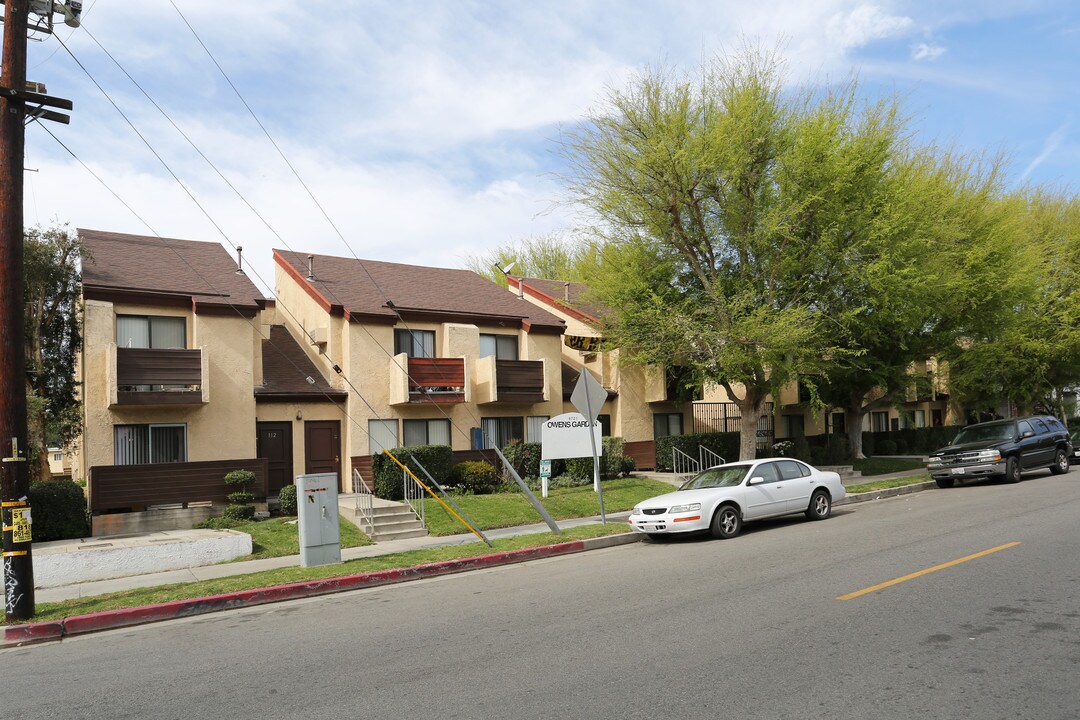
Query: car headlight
x,y
990,455
684,508
636,511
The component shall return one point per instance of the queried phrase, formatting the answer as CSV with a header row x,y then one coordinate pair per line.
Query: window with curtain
x,y
534,427
665,424
425,432
503,347
142,444
498,432
382,435
879,421
415,343
151,331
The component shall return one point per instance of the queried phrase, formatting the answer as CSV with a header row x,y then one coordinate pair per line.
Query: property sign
x,y
20,525
567,436
545,468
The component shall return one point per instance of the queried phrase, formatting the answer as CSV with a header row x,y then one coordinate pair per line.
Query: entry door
x,y
274,442
322,447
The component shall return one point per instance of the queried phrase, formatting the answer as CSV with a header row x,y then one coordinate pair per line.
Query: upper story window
x,y
150,331
415,343
503,347
140,444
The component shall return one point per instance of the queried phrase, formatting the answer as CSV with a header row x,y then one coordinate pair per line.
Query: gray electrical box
x,y
317,511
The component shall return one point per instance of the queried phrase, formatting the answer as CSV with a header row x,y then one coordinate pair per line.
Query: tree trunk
x,y
750,408
855,413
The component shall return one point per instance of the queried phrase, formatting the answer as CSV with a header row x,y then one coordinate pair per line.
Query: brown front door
x,y
322,447
274,442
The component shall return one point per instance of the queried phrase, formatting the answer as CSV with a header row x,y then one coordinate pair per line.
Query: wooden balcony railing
x,y
440,380
519,381
148,376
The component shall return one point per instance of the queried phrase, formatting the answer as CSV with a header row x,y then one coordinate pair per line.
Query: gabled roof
x,y
363,289
286,369
563,295
157,270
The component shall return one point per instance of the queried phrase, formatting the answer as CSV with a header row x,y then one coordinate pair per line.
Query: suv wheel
x,y
1061,463
1012,470
944,482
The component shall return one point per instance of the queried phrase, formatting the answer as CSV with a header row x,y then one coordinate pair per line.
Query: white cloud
x,y
864,24
923,51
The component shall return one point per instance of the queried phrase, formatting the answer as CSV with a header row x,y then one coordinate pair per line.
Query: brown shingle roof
x,y
204,271
557,292
286,368
363,288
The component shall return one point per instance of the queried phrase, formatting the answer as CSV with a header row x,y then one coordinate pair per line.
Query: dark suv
x,y
1003,448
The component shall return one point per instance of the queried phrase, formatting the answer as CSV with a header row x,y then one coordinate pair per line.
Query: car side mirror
x,y
756,480
1027,434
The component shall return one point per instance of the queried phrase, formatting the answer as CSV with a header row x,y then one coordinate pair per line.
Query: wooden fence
x,y
136,487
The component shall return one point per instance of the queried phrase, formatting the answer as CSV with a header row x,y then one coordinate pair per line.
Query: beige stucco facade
x,y
221,426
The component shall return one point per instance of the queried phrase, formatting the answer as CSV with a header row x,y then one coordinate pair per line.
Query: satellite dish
x,y
509,267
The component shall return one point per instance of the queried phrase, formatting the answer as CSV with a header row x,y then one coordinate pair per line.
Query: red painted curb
x,y
32,633
111,619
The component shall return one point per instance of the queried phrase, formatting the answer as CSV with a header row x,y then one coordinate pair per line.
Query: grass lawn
x,y
278,537
511,509
269,578
880,466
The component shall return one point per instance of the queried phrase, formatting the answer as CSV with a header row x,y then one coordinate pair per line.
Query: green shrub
x,y
287,500
388,483
240,507
475,476
612,462
901,446
58,511
886,446
238,512
837,449
802,449
524,458
868,444
218,523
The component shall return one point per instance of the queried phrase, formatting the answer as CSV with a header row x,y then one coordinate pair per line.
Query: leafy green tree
x,y
918,275
545,256
1030,351
53,287
728,208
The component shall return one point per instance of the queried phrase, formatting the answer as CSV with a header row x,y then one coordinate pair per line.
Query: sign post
x,y
588,397
545,475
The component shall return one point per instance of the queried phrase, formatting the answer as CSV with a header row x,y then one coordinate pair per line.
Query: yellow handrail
x,y
432,494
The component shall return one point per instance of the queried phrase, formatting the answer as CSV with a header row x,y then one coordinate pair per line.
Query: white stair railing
x,y
708,458
683,464
365,506
415,497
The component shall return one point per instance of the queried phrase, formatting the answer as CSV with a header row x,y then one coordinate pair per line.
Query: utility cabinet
x,y
317,512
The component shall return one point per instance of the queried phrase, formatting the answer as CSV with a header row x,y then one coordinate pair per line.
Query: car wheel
x,y
726,523
820,506
1012,470
1061,463
945,482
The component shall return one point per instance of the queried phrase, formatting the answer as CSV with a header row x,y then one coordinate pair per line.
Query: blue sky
x,y
428,130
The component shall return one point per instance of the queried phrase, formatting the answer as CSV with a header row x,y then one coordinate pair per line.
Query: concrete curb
x,y
888,493
18,635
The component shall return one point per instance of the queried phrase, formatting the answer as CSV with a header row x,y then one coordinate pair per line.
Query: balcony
x,y
510,381
428,380
148,377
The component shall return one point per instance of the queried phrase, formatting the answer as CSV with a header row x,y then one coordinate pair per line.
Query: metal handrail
x,y
683,464
709,458
413,492
365,506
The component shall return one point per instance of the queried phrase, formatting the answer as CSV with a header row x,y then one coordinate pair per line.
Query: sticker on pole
x,y
567,436
20,526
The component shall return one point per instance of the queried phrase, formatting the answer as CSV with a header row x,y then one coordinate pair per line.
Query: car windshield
x,y
716,477
982,433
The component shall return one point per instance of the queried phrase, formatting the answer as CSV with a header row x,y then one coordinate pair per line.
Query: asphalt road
x,y
696,628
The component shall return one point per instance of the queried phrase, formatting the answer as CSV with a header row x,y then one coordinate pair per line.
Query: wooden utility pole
x,y
14,475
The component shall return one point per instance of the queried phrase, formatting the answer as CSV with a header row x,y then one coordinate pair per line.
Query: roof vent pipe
x,y
239,260
566,292
310,267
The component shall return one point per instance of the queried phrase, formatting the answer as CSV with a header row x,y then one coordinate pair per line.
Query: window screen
x,y
382,435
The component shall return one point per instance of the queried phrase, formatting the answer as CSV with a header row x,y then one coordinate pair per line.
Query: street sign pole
x,y
588,397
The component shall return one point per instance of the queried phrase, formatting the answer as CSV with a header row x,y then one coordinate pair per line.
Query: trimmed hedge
x,y
58,510
287,500
726,445
477,477
524,457
911,441
435,458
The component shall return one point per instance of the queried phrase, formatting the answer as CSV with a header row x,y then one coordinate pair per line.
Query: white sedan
x,y
721,498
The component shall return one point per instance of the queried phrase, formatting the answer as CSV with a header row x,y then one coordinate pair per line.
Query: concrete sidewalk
x,y
387,547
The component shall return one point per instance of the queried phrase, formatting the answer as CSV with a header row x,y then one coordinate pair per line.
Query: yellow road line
x,y
927,571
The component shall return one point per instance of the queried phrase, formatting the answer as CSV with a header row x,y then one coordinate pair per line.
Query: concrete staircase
x,y
392,520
